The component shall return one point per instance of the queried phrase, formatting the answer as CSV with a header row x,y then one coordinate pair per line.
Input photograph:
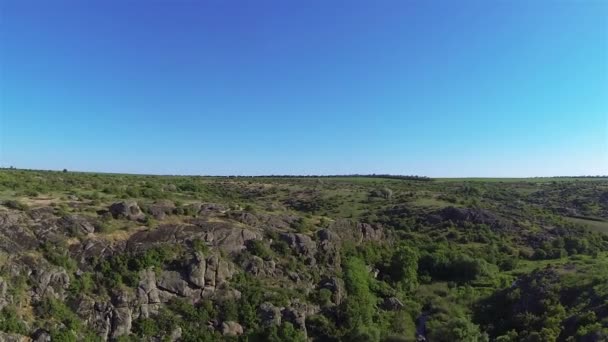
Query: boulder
x,y
126,209
231,328
172,281
160,210
336,286
41,335
392,304
75,224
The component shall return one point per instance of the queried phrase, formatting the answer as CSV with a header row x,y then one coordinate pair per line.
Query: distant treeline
x,y
402,177
373,175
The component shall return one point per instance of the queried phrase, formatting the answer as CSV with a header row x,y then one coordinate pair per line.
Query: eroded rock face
x,y
355,231
97,315
15,238
225,236
197,269
121,314
121,322
126,209
149,296
173,282
49,282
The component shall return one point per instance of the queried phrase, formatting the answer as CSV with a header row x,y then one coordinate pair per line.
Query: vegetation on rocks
x,y
98,257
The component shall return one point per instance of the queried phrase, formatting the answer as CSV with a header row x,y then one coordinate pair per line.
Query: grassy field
x,y
595,225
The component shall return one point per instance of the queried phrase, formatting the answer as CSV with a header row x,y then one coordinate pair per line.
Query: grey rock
x,y
8,337
300,243
121,322
172,281
76,224
126,209
392,304
160,210
336,286
176,334
196,270
49,282
270,315
231,328
41,335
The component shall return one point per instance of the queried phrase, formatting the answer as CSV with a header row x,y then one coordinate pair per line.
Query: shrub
x,y
10,322
15,204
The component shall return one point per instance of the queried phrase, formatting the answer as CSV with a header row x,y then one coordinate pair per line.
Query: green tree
x,y
404,268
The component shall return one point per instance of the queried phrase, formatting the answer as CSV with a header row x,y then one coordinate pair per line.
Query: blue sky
x,y
436,88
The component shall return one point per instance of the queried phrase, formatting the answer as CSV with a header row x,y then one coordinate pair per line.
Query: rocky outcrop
x,y
356,231
269,314
224,236
15,238
161,209
10,218
296,314
260,267
148,294
300,243
262,220
97,315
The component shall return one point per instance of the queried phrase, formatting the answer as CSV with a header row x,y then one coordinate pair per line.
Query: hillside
x,y
98,257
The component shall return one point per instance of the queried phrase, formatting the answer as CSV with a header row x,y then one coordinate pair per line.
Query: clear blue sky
x,y
437,88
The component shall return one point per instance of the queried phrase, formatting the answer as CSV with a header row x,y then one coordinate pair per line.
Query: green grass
x,y
523,180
